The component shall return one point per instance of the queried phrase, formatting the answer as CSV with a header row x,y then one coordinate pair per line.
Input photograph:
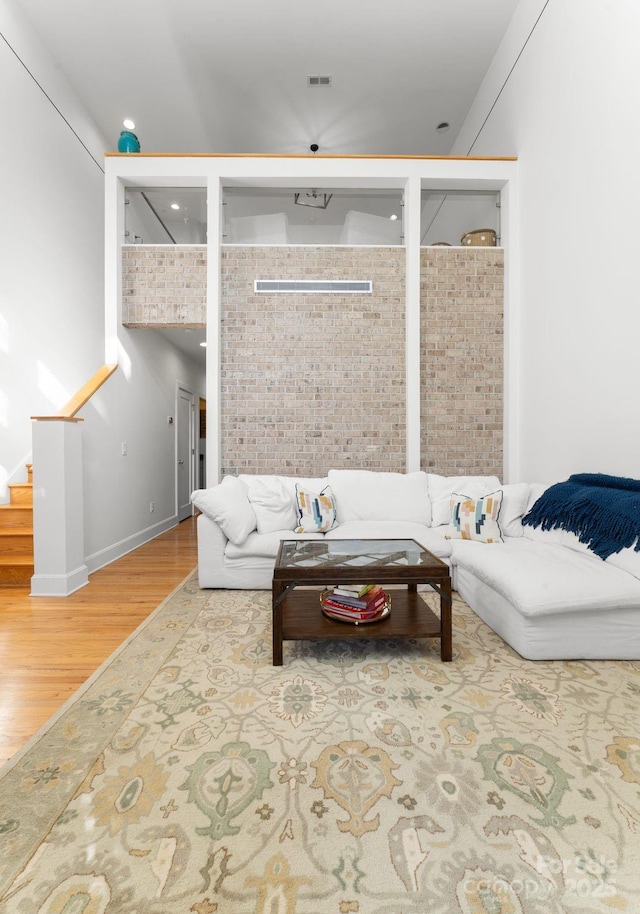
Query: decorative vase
x,y
128,142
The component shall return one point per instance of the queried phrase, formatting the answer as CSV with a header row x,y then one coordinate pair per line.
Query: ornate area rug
x,y
190,775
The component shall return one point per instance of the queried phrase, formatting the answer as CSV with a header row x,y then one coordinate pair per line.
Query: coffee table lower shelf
x,y
303,620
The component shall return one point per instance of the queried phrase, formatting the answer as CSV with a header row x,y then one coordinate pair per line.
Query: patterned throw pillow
x,y
316,513
476,518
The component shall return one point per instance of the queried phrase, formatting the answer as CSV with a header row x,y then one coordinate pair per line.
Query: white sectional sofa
x,y
543,591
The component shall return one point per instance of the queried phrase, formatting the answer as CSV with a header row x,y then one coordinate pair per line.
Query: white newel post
x,y
58,518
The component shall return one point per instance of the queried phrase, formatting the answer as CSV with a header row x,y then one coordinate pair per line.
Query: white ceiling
x,y
214,76
188,341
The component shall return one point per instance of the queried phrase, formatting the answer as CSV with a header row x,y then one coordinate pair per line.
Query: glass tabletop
x,y
352,553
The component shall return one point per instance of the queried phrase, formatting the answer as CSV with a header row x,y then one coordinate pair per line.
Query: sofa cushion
x,y
627,559
430,538
371,496
265,545
540,579
314,484
272,503
515,498
274,499
476,518
316,511
228,505
535,491
441,488
610,634
556,537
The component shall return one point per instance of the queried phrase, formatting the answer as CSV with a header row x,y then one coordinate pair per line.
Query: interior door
x,y
184,451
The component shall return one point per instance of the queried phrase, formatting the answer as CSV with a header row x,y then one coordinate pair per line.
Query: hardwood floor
x,y
50,646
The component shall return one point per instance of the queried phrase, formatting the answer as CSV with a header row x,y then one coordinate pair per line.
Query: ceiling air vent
x,y
318,81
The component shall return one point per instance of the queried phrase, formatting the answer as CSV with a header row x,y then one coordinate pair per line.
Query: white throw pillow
x,y
316,513
272,502
228,505
369,495
441,488
535,491
515,498
312,483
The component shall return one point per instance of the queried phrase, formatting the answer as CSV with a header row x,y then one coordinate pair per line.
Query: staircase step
x,y
16,516
15,571
15,541
21,493
16,534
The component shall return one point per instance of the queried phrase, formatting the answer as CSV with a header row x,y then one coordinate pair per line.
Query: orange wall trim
x,y
303,155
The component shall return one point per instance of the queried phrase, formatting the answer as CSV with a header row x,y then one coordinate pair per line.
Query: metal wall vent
x,y
319,80
313,285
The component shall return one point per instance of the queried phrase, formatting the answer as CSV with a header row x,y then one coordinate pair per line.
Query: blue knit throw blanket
x,y
603,511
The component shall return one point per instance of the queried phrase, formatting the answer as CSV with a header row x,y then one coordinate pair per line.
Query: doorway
x,y
185,450
202,445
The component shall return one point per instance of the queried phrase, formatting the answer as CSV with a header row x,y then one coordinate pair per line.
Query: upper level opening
x,y
309,215
460,217
165,215
312,215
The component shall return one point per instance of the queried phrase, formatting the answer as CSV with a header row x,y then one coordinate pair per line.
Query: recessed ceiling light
x,y
175,206
204,344
393,217
443,127
128,123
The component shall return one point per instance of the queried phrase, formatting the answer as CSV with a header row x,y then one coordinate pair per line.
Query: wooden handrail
x,y
85,393
75,404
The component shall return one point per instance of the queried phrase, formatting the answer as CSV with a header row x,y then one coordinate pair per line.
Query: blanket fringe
x,y
602,511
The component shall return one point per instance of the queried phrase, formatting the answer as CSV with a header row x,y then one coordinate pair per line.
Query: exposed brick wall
x,y
312,381
164,285
462,343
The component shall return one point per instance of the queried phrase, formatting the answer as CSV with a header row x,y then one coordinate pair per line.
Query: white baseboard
x,y
117,550
59,585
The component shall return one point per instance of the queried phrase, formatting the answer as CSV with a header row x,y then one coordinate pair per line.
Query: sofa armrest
x,y
227,504
211,546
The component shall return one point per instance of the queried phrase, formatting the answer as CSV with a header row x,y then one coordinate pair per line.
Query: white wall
x,y
52,289
569,112
133,408
51,230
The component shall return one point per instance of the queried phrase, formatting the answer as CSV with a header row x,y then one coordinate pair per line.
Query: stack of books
x,y
355,603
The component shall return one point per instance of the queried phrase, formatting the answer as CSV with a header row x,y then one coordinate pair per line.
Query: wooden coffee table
x,y
297,615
